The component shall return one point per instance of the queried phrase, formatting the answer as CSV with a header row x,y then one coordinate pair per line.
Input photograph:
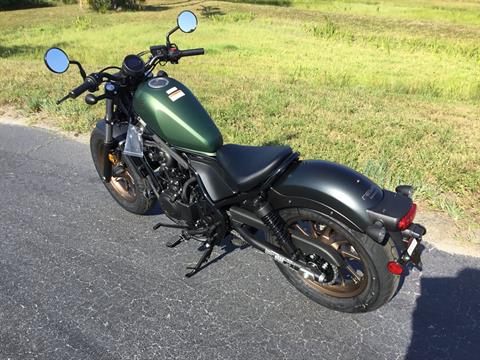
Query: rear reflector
x,y
395,268
408,218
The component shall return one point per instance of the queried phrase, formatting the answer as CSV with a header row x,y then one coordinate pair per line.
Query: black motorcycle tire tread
x,y
381,286
141,205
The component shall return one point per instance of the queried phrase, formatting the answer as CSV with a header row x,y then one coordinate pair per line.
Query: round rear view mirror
x,y
187,21
56,60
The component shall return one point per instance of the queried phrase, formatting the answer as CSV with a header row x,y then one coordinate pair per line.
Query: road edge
x,y
442,231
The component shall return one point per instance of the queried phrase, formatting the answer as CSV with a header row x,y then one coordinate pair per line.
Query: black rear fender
x,y
339,193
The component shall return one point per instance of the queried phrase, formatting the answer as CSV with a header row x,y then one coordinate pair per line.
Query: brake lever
x,y
63,99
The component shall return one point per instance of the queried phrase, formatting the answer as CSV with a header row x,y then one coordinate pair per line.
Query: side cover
x,y
330,188
174,114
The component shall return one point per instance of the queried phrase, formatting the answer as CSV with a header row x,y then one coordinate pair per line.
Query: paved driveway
x,y
82,279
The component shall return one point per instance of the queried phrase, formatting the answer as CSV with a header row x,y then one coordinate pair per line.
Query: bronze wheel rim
x,y
123,184
352,279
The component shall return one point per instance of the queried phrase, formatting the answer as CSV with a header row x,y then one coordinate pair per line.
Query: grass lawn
x,y
390,88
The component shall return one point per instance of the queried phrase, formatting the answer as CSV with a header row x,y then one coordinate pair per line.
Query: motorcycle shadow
x,y
155,210
446,320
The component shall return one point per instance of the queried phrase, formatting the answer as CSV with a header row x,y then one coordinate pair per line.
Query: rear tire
x,y
129,189
376,285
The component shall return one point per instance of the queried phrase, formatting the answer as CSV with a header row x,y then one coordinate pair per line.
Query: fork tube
x,y
108,144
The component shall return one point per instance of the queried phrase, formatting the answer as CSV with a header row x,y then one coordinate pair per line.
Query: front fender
x,y
330,188
119,130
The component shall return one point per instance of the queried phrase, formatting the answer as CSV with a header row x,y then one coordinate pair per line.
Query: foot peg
x,y
172,226
177,241
203,259
174,242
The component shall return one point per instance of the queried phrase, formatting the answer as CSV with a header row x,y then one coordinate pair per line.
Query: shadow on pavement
x,y
446,320
155,210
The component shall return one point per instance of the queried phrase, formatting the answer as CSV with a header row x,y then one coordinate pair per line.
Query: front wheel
x,y
125,186
364,284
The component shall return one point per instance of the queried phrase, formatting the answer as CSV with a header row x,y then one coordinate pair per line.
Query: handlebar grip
x,y
89,84
192,52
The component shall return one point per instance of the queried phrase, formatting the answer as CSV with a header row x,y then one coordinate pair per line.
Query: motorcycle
x,y
337,237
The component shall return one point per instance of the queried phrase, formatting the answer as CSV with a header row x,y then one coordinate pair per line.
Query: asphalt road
x,y
82,279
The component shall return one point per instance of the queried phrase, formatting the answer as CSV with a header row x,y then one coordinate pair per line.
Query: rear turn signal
x,y
408,218
395,268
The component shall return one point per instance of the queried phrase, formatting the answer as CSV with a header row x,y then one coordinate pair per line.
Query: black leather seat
x,y
249,166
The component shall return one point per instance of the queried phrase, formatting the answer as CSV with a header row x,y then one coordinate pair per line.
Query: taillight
x,y
408,218
395,268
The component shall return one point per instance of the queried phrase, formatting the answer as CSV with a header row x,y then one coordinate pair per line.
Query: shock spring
x,y
277,225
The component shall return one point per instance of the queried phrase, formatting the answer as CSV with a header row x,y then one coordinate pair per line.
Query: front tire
x,y
128,189
365,286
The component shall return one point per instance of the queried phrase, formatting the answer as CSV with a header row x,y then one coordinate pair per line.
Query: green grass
x,y
390,88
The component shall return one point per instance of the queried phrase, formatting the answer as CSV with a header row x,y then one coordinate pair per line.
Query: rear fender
x,y
337,192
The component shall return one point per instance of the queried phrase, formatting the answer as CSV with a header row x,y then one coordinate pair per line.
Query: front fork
x,y
108,144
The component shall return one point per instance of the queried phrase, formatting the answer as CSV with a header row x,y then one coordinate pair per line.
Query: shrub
x,y
99,5
104,5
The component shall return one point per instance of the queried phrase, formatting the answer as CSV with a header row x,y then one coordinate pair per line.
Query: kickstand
x,y
204,258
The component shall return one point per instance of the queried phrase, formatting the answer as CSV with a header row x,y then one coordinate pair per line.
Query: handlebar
x,y
191,52
172,54
90,83
160,53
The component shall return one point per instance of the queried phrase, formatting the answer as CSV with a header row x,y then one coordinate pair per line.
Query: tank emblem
x,y
174,94
158,83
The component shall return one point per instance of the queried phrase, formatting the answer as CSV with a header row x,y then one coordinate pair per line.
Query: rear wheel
x,y
125,186
364,284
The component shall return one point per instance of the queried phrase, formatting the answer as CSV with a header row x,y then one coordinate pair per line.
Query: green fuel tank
x,y
174,113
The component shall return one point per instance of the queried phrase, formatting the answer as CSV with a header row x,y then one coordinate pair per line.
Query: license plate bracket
x,y
412,254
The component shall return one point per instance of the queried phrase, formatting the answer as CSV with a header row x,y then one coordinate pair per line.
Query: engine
x,y
180,196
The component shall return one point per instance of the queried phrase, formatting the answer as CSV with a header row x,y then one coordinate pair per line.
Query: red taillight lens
x,y
408,218
395,268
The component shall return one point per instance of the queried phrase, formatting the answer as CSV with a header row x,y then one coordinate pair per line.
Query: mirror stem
x,y
80,67
170,33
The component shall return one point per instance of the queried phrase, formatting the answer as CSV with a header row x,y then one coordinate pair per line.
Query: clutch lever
x,y
63,99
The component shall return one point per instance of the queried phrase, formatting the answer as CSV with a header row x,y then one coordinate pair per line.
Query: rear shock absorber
x,y
277,225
